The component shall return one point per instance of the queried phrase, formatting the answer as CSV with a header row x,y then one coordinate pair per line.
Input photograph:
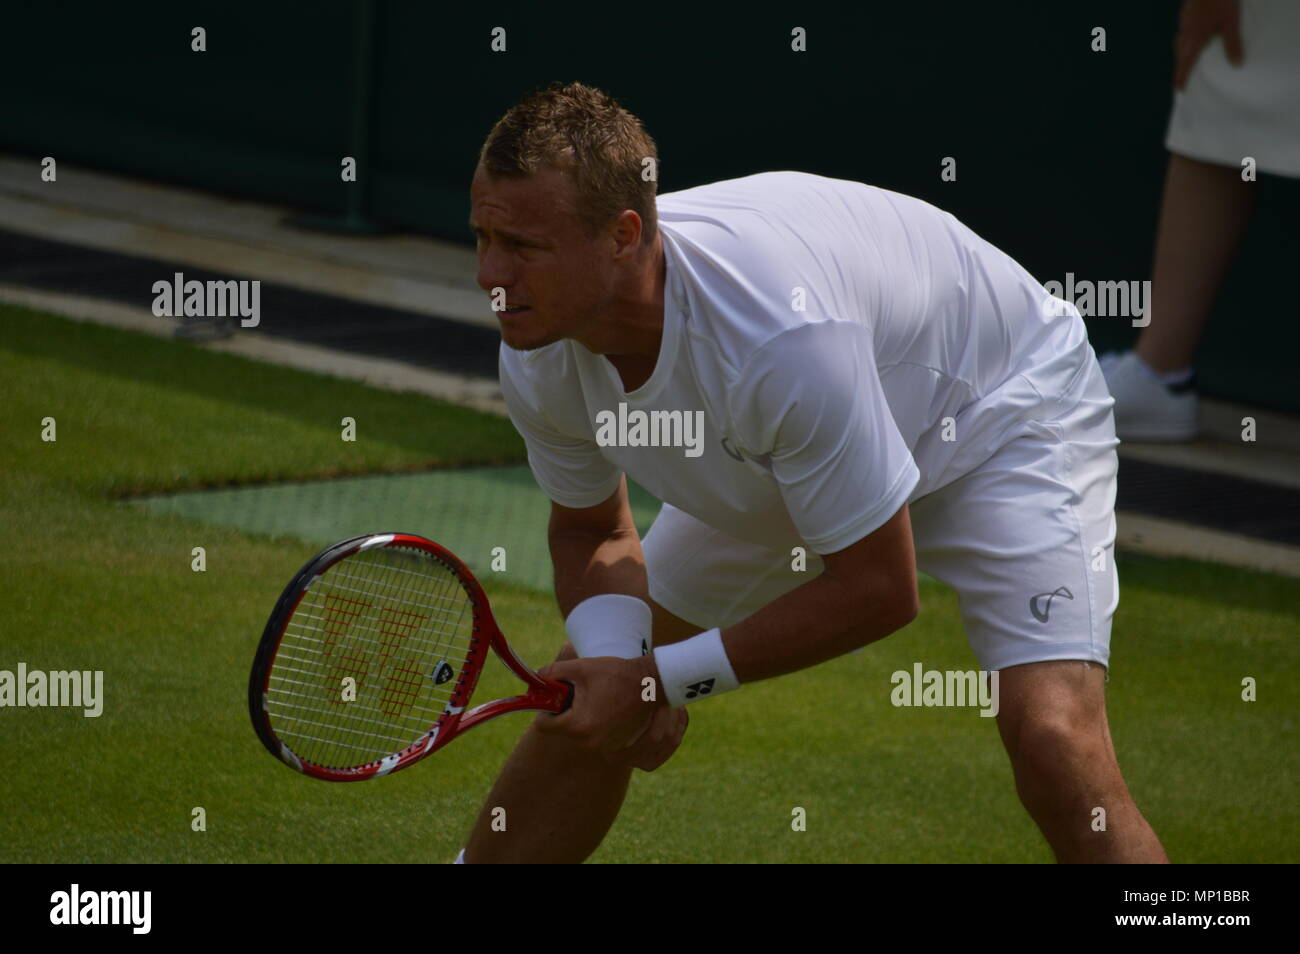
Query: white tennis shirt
x,y
850,349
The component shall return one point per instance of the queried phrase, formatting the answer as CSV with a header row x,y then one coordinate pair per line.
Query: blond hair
x,y
584,133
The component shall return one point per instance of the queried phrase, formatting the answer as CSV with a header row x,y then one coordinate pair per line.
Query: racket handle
x,y
568,695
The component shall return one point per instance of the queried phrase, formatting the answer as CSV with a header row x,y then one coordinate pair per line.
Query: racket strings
x,y
398,623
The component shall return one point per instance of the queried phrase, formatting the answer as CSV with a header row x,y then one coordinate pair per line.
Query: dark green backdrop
x,y
1059,149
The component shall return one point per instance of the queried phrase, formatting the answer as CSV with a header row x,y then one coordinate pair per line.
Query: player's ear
x,y
626,230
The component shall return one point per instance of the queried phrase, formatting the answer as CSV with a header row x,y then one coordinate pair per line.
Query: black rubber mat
x,y
339,323
1251,508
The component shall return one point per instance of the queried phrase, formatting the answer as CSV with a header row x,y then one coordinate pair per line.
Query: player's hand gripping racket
x,y
369,659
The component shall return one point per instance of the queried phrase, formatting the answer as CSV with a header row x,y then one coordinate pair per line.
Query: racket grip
x,y
568,695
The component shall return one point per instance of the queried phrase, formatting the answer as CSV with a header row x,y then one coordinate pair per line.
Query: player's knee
x,y
1055,759
565,755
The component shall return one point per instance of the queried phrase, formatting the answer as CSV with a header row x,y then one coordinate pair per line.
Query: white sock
x,y
460,858
1168,378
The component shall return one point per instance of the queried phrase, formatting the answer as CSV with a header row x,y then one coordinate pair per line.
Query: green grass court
x,y
93,581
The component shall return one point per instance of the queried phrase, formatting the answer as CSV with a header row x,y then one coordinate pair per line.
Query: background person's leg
x,y
1203,217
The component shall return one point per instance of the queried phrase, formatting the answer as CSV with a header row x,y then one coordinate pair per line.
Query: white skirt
x,y
1226,113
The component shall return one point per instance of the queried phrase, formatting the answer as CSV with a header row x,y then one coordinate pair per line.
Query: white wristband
x,y
611,624
695,668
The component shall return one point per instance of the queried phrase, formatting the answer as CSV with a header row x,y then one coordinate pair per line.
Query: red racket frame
x,y
543,694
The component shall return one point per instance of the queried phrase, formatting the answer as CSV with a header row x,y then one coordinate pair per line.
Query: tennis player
x,y
793,364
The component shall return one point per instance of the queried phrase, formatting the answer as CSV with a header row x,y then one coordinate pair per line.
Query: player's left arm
x,y
867,591
814,399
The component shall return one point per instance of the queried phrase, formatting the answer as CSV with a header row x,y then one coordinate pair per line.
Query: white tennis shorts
x,y
1026,539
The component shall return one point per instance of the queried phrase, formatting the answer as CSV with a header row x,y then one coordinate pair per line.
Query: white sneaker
x,y
1147,409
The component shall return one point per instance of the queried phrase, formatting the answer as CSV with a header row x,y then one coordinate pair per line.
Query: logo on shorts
x,y
1041,614
702,688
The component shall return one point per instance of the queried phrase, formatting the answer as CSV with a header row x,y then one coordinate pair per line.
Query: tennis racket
x,y
369,659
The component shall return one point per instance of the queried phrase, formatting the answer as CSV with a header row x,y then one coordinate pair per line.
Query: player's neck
x,y
631,341
632,371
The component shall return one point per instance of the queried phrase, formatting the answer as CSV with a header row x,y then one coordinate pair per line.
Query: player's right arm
x,y
596,550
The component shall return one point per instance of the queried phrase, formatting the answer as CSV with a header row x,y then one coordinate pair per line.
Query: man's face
x,y
532,244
